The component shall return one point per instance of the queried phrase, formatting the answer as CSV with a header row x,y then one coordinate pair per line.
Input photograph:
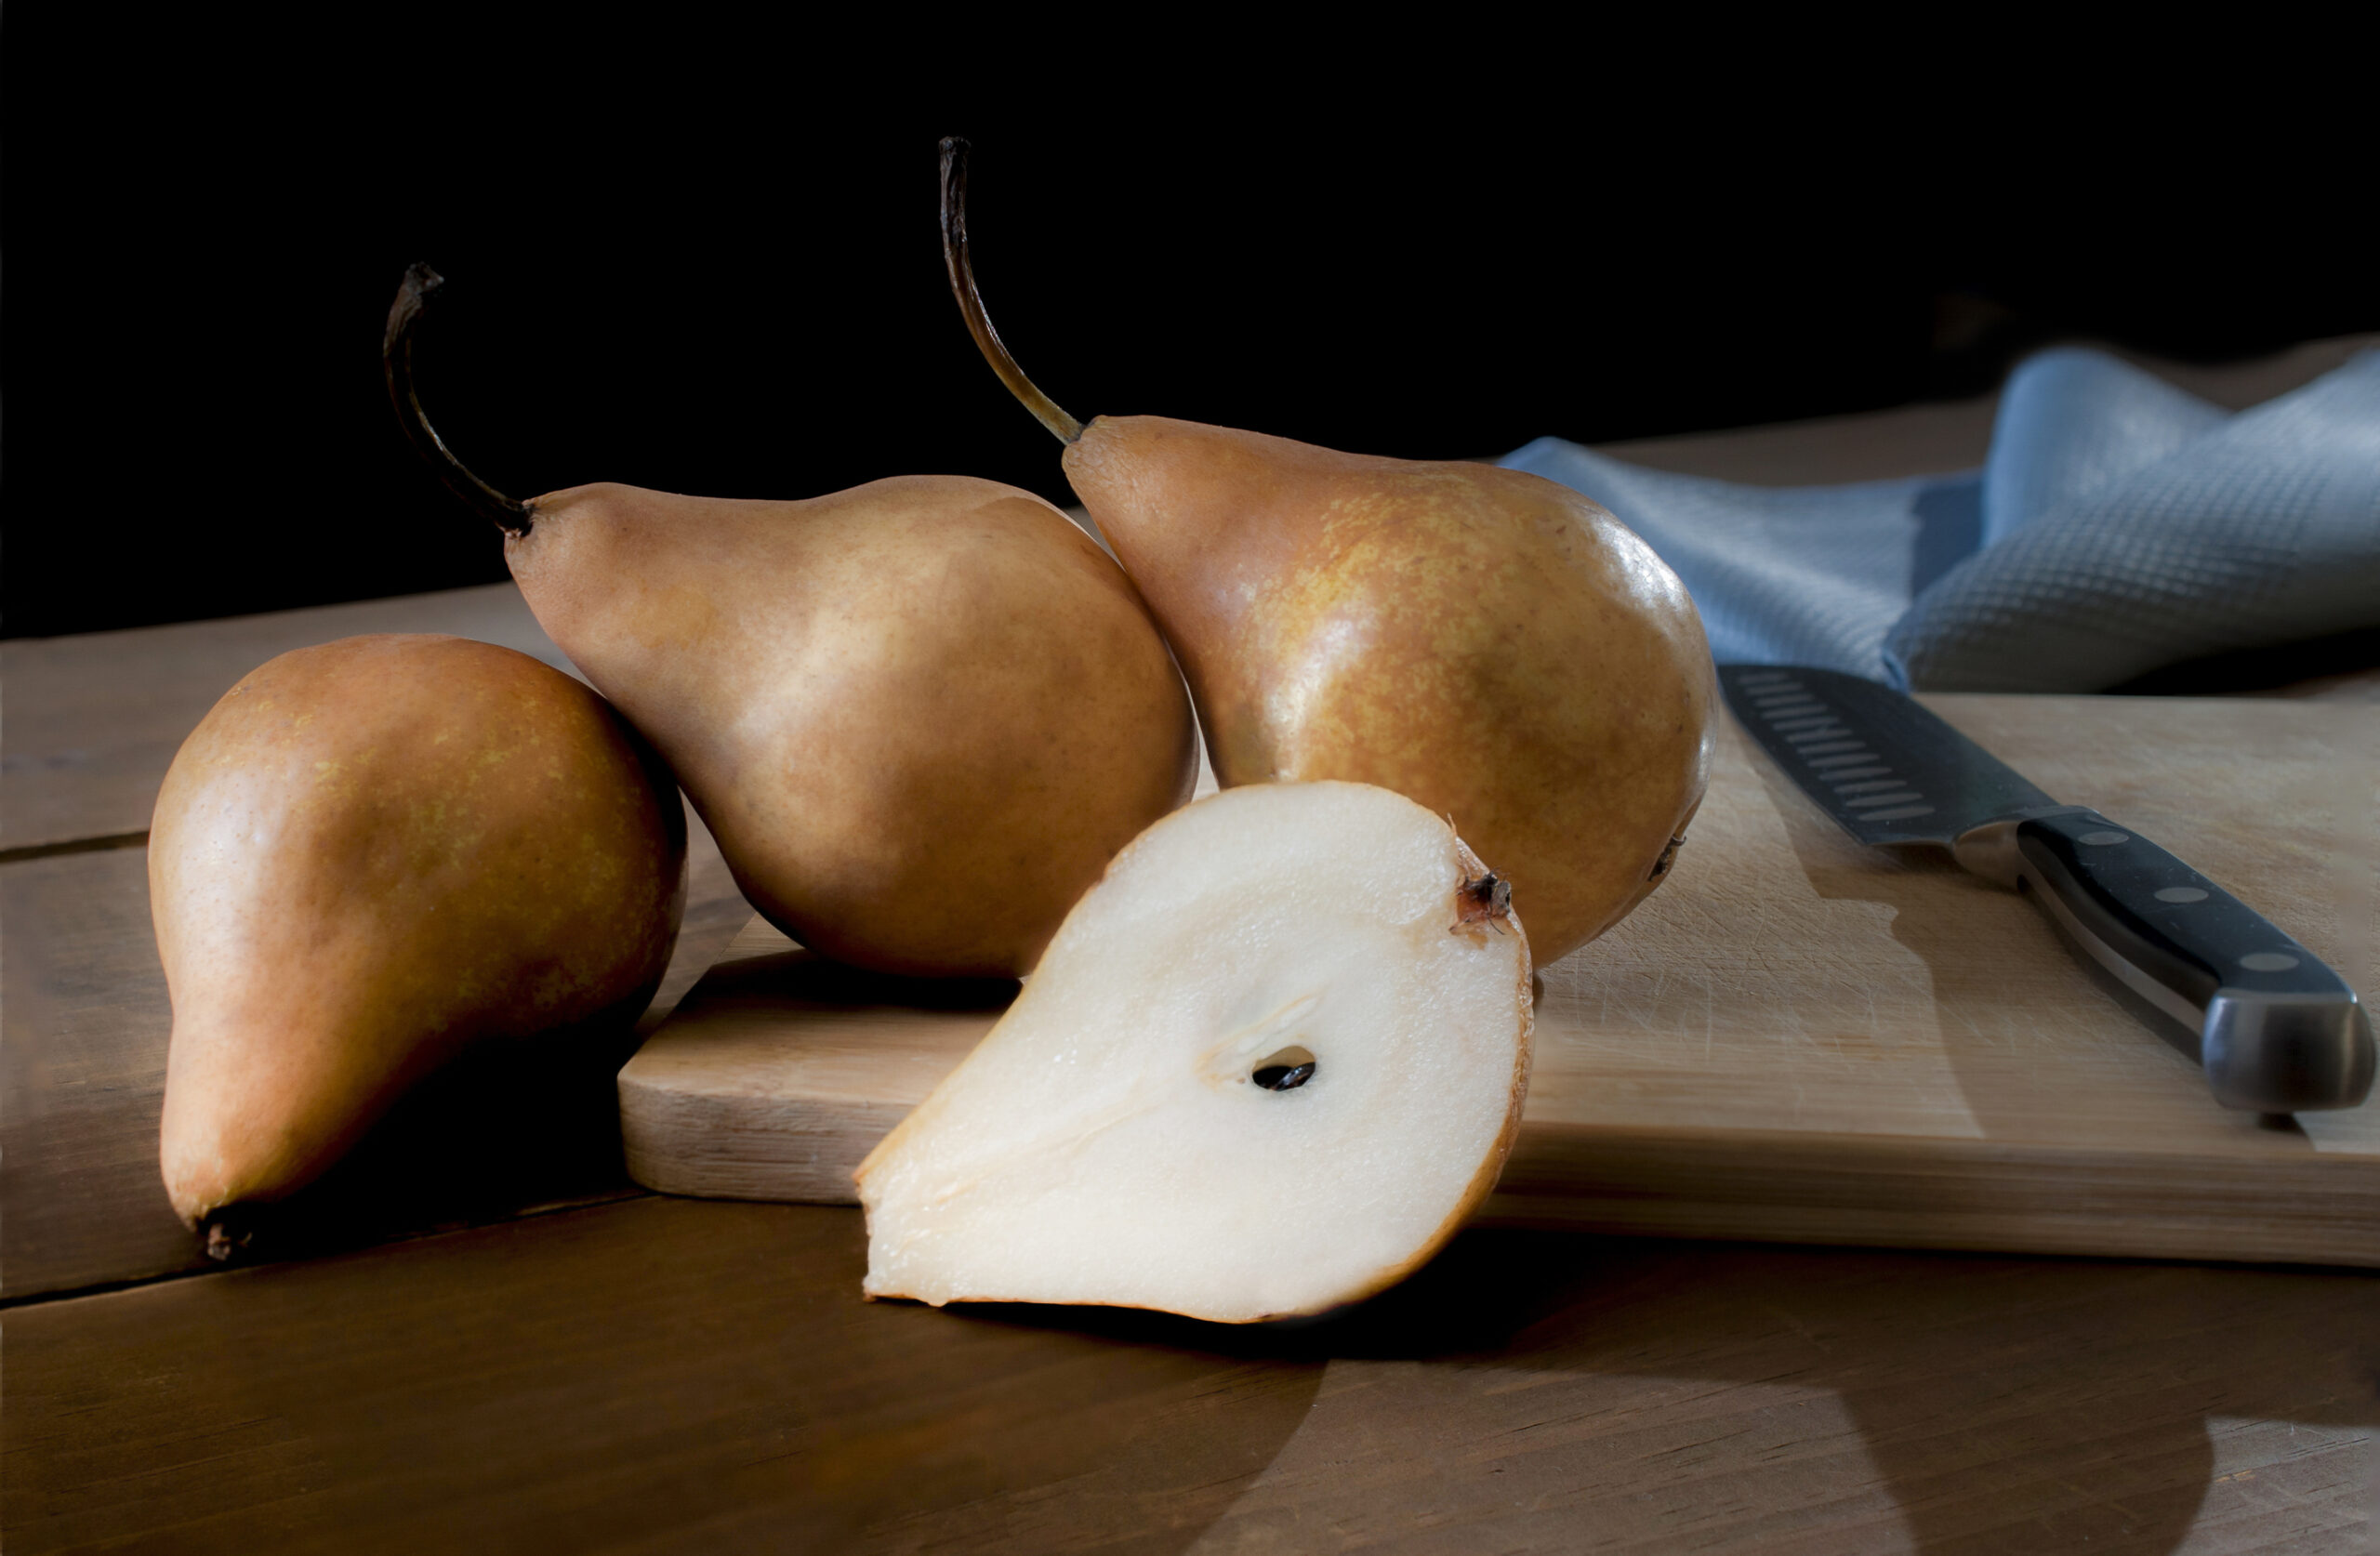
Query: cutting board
x,y
1795,1039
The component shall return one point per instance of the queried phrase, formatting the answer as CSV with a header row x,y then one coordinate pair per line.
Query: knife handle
x,y
2278,1031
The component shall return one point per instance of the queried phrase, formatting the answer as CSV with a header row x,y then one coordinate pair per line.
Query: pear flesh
x,y
371,855
1268,1066
1487,642
920,716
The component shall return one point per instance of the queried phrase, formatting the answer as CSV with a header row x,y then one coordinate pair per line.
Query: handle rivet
x,y
2268,961
2180,894
2104,839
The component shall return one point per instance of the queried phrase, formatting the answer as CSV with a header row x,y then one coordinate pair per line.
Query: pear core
x,y
1124,1135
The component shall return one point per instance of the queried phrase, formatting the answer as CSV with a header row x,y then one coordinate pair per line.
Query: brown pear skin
x,y
920,716
1484,642
1487,642
370,856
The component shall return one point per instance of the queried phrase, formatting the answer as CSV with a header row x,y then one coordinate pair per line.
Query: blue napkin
x,y
2118,525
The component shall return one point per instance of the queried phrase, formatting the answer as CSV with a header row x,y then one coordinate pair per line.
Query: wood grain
x,y
94,719
83,1063
782,1065
92,723
1797,1038
662,1376
651,1375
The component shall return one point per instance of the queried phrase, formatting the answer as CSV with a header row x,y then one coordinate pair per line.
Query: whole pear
x,y
1484,642
372,855
920,716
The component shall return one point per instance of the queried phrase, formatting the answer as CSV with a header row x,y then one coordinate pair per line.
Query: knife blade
x,y
2278,1031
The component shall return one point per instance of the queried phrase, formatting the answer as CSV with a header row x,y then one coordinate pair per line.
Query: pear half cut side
x,y
1270,1063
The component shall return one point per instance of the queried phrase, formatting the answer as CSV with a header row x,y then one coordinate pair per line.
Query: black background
x,y
704,259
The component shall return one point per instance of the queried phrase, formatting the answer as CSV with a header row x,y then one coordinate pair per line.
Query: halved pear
x,y
1268,1066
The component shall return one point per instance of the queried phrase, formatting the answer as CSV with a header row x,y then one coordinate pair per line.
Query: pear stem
x,y
511,516
971,302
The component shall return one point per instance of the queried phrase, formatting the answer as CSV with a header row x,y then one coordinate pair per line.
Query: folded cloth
x,y
2119,525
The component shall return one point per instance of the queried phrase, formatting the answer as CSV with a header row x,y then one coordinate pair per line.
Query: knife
x,y
2278,1031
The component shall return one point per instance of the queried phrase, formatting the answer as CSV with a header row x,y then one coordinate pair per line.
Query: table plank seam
x,y
106,1289
99,843
626,1194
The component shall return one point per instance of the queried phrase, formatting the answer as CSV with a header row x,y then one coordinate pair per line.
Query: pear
x,y
920,716
1487,643
1269,1064
370,856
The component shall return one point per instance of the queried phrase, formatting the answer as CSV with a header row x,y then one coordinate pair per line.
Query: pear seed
x,y
1285,1071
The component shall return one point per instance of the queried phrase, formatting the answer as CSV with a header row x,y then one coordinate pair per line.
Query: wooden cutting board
x,y
1795,1039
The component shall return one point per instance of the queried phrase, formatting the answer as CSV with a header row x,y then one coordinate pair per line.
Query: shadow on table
x,y
1837,1400
83,1065
508,1130
664,1376
1833,1401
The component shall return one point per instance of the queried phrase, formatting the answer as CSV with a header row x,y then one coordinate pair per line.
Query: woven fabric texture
x,y
2119,525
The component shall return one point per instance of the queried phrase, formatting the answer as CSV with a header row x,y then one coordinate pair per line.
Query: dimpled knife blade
x,y
2278,1030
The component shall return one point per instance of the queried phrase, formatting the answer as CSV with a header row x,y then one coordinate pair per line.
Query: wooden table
x,y
513,1349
